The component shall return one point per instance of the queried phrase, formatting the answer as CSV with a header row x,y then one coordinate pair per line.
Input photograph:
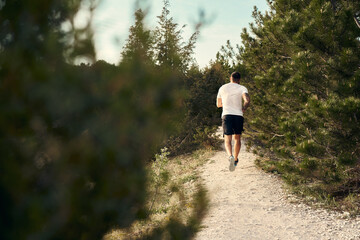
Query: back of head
x,y
236,77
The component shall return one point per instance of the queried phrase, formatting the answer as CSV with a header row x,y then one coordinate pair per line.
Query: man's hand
x,y
219,103
246,99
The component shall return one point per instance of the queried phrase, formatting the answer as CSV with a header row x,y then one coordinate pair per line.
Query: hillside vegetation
x,y
76,140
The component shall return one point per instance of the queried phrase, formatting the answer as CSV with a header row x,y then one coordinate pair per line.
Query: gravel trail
x,y
251,204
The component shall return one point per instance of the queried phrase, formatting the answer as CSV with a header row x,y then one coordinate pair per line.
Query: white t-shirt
x,y
231,96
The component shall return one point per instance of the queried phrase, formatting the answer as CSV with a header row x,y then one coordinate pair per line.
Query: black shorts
x,y
232,124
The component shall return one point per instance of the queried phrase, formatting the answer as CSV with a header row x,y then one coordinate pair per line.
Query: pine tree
x,y
170,49
303,61
140,41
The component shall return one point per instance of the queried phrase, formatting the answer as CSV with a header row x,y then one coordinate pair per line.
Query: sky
x,y
225,21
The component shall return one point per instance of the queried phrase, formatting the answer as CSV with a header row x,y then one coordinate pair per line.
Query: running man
x,y
234,99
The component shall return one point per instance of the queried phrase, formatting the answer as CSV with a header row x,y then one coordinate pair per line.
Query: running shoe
x,y
236,162
232,161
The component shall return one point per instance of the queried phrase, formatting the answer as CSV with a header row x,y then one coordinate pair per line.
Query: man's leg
x,y
228,146
237,145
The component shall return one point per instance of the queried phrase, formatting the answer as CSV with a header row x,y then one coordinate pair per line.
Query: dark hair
x,y
236,76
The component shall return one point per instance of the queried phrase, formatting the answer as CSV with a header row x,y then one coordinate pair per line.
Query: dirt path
x,y
250,204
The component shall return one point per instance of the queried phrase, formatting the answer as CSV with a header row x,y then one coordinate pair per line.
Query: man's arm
x,y
219,102
246,99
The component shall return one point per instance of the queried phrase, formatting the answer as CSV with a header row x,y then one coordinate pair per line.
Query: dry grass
x,y
177,198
